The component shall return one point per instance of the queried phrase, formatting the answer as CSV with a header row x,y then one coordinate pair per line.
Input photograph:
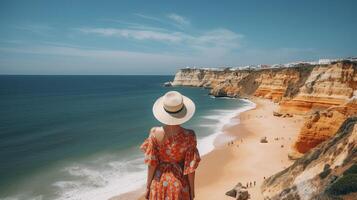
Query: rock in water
x,y
239,192
168,84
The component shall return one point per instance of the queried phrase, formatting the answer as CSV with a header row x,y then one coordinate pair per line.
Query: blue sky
x,y
159,37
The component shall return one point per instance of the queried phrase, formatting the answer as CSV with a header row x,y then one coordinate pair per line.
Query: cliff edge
x,y
329,171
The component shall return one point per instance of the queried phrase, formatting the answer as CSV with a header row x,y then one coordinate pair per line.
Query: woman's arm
x,y
151,172
191,182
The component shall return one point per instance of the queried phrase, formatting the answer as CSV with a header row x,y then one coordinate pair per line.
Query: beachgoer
x,y
170,150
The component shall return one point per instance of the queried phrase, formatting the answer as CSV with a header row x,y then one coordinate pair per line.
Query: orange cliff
x,y
329,94
325,93
275,84
321,126
279,84
317,128
326,86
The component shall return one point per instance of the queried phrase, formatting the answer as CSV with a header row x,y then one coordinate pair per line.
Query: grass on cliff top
x,y
346,184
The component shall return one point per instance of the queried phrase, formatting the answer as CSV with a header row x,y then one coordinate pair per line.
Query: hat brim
x,y
174,118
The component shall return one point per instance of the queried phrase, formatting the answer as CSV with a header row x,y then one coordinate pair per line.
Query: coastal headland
x,y
312,105
298,143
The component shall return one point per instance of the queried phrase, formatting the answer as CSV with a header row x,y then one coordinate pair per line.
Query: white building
x,y
324,61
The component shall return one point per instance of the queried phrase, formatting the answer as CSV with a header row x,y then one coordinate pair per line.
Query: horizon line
x,y
86,74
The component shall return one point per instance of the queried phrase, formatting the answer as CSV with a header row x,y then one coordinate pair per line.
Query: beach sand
x,y
246,160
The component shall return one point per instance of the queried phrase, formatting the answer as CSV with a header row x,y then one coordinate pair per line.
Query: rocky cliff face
x,y
267,83
299,89
317,128
203,78
326,92
279,84
329,171
321,126
326,86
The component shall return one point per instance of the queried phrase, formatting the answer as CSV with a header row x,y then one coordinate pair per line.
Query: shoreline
x,y
248,160
236,161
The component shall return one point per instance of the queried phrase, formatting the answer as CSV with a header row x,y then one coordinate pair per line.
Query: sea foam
x,y
96,183
224,119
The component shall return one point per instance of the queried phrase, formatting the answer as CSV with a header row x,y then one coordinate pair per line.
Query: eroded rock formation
x,y
319,127
326,86
299,89
274,84
204,78
326,172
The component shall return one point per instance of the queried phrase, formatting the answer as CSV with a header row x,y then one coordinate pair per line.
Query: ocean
x,y
78,137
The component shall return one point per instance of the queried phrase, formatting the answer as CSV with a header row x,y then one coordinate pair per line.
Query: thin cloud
x,y
222,39
73,50
180,20
134,25
200,48
122,22
172,19
135,34
74,60
149,17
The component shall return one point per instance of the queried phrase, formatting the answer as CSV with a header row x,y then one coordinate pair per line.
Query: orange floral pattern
x,y
176,157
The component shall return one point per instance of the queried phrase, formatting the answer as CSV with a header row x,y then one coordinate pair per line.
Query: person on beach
x,y
171,150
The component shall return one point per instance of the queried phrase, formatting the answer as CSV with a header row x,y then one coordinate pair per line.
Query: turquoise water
x,y
77,137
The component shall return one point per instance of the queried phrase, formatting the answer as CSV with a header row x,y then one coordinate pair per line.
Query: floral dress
x,y
175,157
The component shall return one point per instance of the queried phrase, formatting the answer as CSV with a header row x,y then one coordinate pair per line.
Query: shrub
x,y
351,170
344,185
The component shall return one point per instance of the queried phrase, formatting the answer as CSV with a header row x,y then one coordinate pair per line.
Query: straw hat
x,y
173,108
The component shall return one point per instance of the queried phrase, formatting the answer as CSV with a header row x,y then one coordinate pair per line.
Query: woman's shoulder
x,y
157,133
190,133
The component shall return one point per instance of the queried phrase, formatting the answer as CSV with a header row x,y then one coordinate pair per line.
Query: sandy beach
x,y
247,159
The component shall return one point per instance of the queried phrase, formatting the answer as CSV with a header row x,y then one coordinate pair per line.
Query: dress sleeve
x,y
150,151
192,157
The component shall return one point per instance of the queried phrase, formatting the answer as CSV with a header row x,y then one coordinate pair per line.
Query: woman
x,y
170,151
